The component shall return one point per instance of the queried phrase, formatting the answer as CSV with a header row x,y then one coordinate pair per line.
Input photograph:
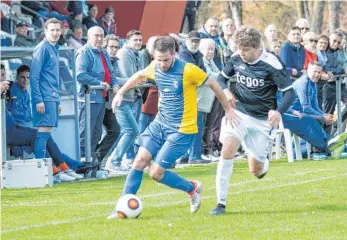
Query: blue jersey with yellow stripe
x,y
178,94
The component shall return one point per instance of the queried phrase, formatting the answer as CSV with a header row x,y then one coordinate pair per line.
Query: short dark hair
x,y
2,66
164,43
132,33
108,38
315,63
109,10
54,21
23,68
294,28
90,6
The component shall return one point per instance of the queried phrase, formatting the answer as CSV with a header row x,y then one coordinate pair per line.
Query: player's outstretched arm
x,y
134,80
222,97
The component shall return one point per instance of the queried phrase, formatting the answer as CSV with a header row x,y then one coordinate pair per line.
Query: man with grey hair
x,y
94,68
304,26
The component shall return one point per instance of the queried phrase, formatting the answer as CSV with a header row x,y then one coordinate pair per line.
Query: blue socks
x,y
40,144
133,182
173,180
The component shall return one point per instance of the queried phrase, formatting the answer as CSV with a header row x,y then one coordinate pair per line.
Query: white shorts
x,y
255,135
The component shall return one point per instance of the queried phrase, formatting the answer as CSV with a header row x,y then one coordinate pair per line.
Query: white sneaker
x,y
63,177
73,174
195,197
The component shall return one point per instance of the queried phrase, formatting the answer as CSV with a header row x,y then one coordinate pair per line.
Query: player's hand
x,y
107,86
297,113
4,86
40,108
59,110
115,89
117,100
294,72
231,117
329,119
274,118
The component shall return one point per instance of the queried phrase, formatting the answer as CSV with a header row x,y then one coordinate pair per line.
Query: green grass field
x,y
303,200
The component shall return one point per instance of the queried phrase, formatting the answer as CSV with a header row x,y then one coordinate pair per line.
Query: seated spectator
x,y
90,20
308,118
107,21
63,41
19,98
22,39
75,39
4,17
23,136
293,54
270,32
44,8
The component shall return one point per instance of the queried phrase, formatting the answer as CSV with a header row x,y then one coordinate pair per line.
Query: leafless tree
x,y
334,12
236,9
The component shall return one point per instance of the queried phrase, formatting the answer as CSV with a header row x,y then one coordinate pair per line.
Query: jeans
x,y
196,147
145,120
130,130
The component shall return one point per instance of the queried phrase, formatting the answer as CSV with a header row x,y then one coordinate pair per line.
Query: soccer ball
x,y
129,206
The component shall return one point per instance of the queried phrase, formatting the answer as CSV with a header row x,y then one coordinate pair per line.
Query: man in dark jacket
x,y
22,40
191,9
190,53
293,54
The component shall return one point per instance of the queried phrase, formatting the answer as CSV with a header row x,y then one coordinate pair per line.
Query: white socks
x,y
266,167
224,172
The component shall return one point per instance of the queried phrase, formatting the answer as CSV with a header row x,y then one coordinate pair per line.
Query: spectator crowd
x,y
312,61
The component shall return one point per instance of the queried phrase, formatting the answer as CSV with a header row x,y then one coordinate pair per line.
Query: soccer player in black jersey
x,y
258,75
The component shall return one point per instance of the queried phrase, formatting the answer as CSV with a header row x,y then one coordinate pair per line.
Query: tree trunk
x,y
317,18
300,9
334,11
236,9
306,11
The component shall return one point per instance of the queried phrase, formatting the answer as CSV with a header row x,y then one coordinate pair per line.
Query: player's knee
x,y
140,163
156,175
227,154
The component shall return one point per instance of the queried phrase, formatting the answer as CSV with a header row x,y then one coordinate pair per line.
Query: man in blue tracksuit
x,y
305,118
45,85
94,67
19,99
293,54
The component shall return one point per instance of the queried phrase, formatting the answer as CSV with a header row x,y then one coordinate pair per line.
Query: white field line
x,y
54,223
53,203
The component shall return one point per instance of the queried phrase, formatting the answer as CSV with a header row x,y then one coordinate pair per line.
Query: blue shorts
x,y
49,118
164,144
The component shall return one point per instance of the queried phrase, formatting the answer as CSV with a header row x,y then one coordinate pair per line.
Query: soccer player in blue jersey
x,y
258,75
45,85
170,135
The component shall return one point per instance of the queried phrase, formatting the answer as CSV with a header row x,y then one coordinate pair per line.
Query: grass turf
x,y
302,200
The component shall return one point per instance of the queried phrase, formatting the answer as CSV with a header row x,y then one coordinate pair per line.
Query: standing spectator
x,y
190,53
111,44
75,39
63,41
44,8
228,29
45,85
107,21
190,13
270,32
310,40
94,67
336,63
150,96
275,46
322,46
303,25
293,54
128,112
19,103
91,21
211,30
22,39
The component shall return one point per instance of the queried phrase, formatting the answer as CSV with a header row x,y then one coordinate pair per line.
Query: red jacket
x,y
309,57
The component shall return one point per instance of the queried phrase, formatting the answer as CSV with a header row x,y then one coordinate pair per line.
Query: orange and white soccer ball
x,y
129,206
